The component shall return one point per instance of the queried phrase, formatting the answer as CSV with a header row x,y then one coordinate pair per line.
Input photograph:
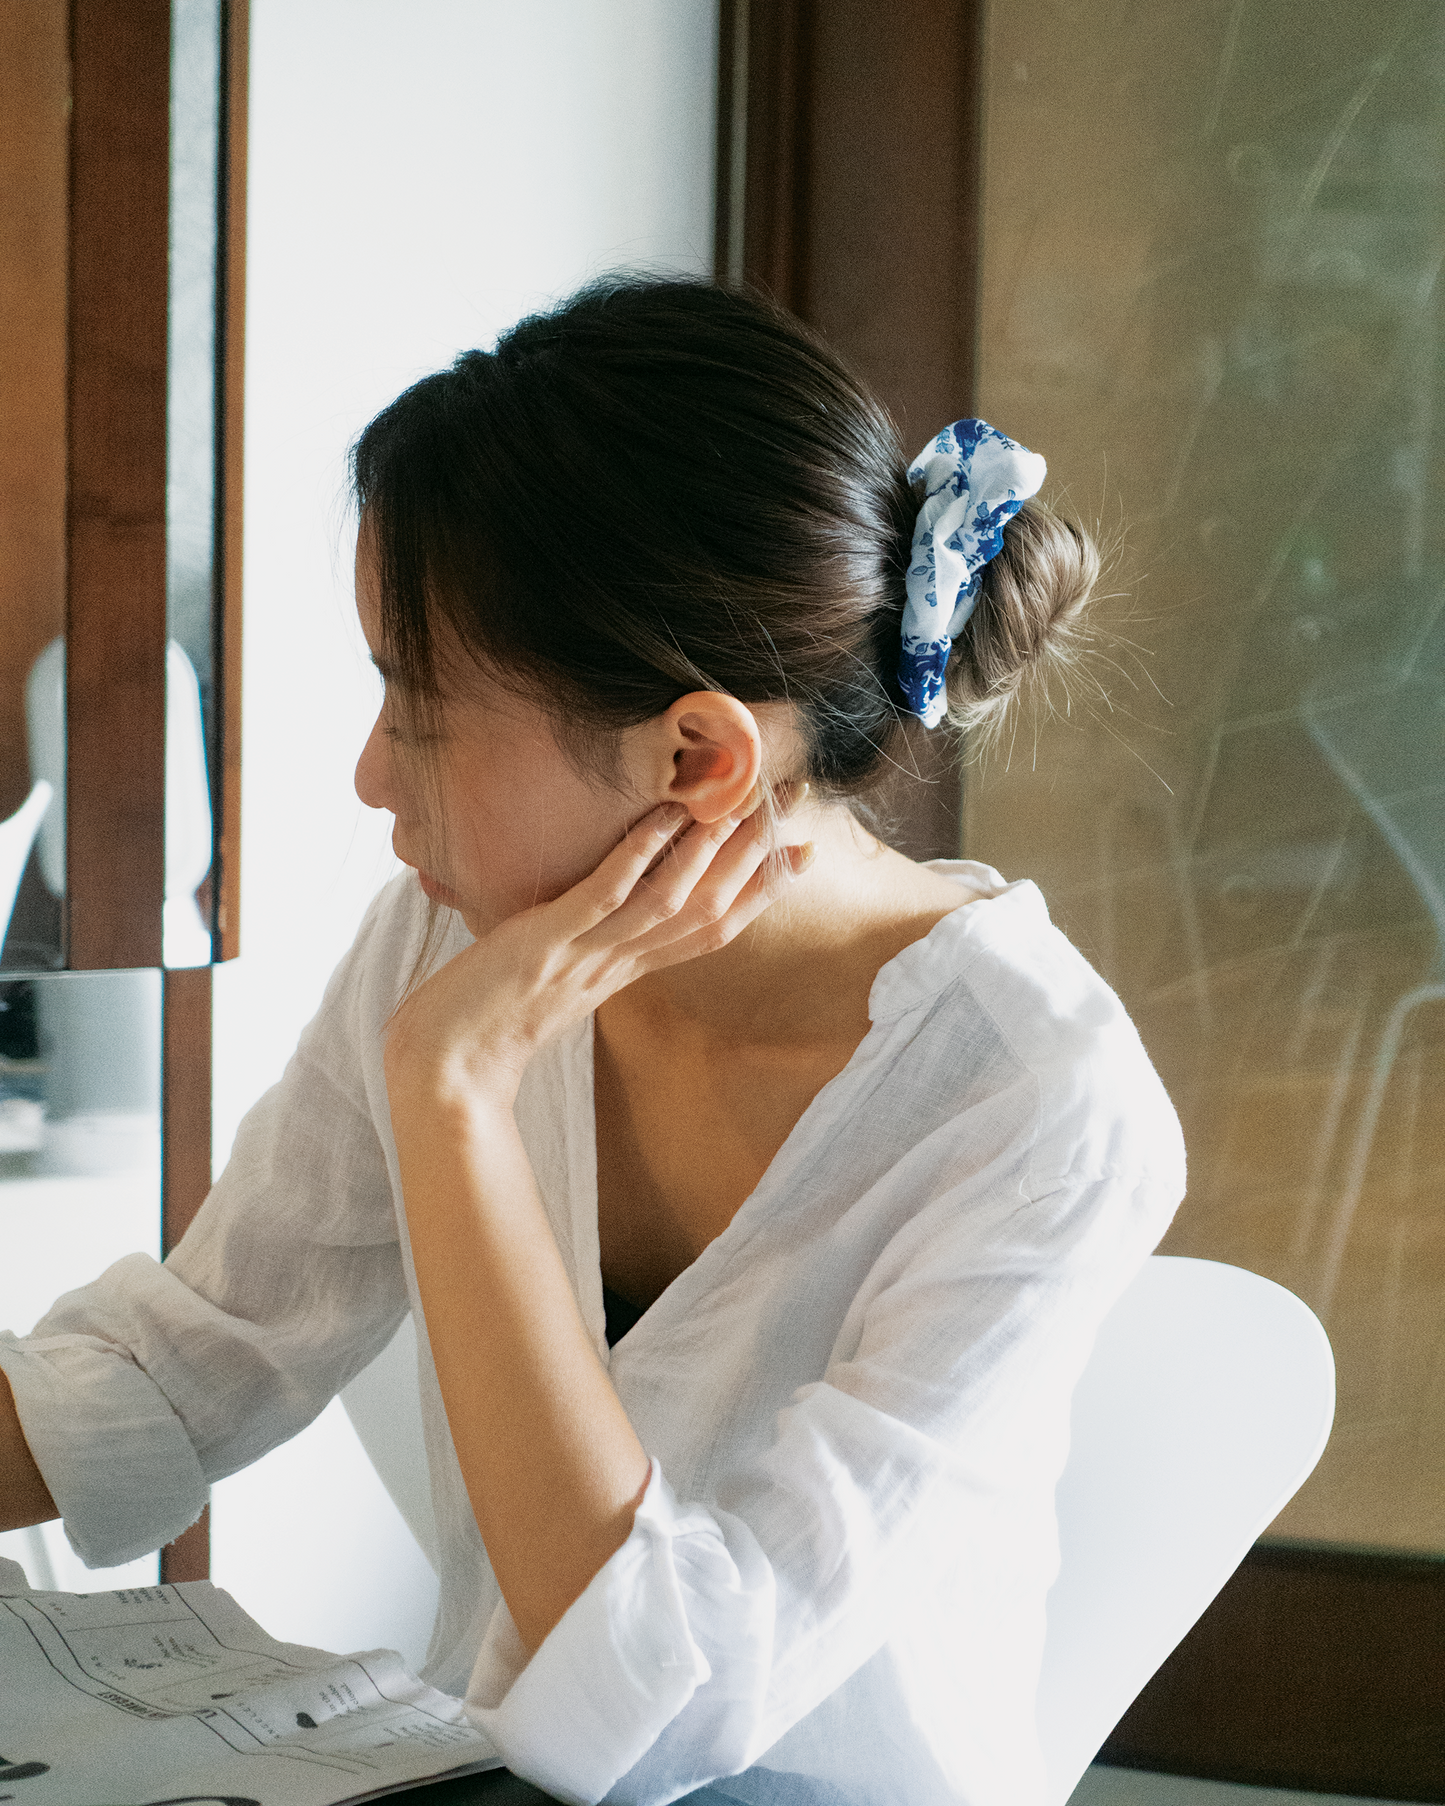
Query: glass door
x,y
1211,295
1213,240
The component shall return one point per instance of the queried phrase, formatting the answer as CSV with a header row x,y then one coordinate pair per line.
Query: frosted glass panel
x,y
1212,248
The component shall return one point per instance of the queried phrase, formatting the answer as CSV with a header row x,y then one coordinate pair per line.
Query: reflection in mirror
x,y
80,1173
34,252
40,824
191,472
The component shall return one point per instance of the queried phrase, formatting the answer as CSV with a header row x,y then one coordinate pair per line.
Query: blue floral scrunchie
x,y
975,480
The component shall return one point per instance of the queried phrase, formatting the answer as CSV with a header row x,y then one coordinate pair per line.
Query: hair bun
x,y
1026,625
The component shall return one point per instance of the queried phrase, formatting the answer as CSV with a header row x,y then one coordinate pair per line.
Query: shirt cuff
x,y
115,1456
613,1673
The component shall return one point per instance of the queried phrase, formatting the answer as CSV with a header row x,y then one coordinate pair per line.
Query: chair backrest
x,y
1207,1401
1205,1404
385,1411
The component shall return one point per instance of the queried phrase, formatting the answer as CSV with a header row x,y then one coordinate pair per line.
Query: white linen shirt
x,y
856,1400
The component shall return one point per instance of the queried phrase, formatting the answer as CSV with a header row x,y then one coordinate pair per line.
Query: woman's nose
x,y
373,771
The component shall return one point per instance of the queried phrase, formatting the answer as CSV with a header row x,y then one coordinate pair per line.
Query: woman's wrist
x,y
452,1103
455,1082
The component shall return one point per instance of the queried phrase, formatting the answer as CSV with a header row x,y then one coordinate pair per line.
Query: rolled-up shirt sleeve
x,y
138,1390
719,1625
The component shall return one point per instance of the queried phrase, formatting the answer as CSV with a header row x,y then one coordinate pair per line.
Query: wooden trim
x,y
861,148
189,1556
1316,1668
185,1099
116,529
730,167
185,1173
230,469
34,180
772,67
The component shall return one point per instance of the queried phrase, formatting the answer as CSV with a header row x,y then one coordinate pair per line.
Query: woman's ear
x,y
715,753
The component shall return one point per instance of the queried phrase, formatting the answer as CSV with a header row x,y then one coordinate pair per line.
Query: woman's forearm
x,y
24,1496
552,1465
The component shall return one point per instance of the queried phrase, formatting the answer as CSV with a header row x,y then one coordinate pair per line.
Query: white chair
x,y
1206,1403
1204,1407
383,1403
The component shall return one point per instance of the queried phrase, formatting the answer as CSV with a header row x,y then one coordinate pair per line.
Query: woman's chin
x,y
437,892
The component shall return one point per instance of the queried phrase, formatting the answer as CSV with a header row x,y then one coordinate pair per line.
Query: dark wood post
x,y
853,130
116,611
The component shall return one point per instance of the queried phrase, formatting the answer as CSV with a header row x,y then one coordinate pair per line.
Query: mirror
x,y
116,270
113,247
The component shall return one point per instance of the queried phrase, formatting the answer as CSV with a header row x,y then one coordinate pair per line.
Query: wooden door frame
x,y
849,161
230,474
820,203
115,643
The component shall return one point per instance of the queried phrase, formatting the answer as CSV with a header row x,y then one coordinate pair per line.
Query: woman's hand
x,y
659,897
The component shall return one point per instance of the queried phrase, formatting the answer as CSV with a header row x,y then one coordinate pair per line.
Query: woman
x,y
658,1047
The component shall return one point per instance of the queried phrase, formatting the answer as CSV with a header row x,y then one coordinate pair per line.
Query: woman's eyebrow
x,y
385,666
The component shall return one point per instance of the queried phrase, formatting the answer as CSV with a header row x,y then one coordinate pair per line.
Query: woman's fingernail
x,y
803,856
671,815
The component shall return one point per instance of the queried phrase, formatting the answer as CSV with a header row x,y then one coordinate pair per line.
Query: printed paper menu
x,y
171,1693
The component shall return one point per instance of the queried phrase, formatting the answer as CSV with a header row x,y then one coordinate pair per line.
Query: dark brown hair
x,y
664,486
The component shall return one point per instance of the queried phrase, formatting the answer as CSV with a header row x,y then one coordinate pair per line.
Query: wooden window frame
x,y
116,616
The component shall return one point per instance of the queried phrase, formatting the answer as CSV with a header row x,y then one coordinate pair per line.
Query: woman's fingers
x,y
708,882
660,886
708,859
710,926
707,886
607,889
696,878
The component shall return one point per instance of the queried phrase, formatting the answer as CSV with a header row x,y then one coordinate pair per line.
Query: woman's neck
x,y
804,969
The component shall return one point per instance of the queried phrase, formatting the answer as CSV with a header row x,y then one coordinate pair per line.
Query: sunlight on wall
x,y
419,177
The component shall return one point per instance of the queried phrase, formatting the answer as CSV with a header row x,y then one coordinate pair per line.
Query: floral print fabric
x,y
974,480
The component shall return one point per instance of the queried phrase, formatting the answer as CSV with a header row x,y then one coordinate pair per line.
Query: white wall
x,y
420,176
